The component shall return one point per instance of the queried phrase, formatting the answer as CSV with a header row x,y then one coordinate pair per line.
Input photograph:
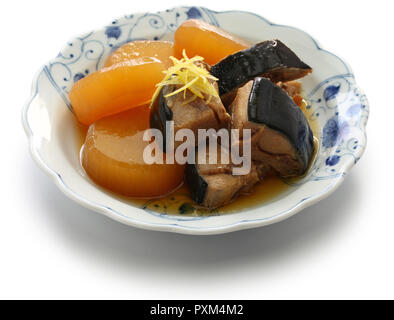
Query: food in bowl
x,y
147,109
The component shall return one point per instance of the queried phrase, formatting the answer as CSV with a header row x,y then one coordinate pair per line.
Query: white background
x,y
342,247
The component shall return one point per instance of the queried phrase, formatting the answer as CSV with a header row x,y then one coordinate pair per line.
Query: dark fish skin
x,y
159,114
271,59
198,186
271,106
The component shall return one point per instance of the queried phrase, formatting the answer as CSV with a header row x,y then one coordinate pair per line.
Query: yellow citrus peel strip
x,y
190,77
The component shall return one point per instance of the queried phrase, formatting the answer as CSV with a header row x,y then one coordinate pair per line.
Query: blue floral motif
x,y
334,132
113,32
354,110
78,76
333,160
331,92
330,133
193,13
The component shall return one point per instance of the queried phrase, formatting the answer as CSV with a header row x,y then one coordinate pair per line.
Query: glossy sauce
x,y
180,202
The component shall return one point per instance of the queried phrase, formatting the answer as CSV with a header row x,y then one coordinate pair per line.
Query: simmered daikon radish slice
x,y
113,157
115,89
200,38
135,50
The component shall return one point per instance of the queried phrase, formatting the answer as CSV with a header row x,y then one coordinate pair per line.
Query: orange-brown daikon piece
x,y
212,43
115,89
113,157
160,50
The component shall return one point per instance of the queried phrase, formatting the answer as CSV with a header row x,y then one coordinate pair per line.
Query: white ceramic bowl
x,y
337,106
